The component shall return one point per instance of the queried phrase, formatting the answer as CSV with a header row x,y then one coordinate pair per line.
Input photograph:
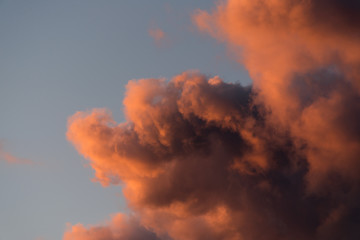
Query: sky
x,y
59,57
227,120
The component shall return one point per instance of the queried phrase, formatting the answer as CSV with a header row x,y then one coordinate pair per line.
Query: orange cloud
x,y
11,159
303,58
120,227
157,34
195,152
204,159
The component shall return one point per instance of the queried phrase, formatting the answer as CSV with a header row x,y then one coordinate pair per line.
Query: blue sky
x,y
59,57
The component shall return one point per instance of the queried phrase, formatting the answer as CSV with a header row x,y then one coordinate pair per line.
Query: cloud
x,y
120,227
204,159
11,159
302,57
157,34
197,161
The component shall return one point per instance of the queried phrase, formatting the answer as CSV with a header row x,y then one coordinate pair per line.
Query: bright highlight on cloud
x,y
205,159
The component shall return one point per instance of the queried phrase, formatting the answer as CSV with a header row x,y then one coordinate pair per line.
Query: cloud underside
x,y
204,159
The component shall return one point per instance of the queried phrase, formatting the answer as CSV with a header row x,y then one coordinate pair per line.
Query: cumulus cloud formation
x,y
303,57
203,159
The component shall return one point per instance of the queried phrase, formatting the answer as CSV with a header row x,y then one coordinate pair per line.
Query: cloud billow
x,y
203,159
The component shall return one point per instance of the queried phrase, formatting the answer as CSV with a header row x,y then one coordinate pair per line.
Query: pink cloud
x,y
200,158
11,159
120,227
157,34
